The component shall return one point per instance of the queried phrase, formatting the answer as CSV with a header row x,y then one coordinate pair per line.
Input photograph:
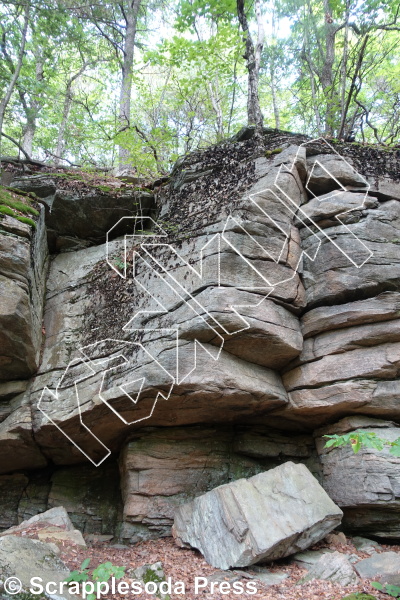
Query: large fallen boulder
x,y
269,516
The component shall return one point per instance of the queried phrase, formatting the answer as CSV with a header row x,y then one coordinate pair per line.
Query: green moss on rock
x,y
8,199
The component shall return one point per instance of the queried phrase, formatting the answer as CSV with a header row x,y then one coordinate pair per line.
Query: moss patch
x,y
13,205
27,220
272,152
6,210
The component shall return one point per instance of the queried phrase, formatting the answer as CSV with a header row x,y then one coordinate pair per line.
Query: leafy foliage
x,y
100,574
321,73
391,590
358,439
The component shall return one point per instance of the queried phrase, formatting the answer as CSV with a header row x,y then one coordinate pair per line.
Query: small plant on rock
x,y
358,439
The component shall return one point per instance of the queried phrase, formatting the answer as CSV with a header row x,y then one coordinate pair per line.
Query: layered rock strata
x,y
263,304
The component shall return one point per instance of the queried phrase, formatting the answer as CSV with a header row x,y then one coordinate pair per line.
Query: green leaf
x,y
395,448
85,564
377,585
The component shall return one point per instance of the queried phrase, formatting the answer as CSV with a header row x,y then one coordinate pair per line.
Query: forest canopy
x,y
141,82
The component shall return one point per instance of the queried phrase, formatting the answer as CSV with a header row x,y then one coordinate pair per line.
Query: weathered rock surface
x,y
90,495
57,517
81,217
333,566
225,524
24,558
307,559
365,545
385,566
55,526
162,468
364,485
23,266
231,323
328,172
285,323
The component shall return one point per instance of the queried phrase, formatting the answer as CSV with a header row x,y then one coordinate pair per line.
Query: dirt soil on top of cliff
x,y
184,565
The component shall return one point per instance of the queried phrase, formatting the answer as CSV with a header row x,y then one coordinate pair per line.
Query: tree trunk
x,y
130,13
272,66
66,110
32,110
28,135
253,57
216,104
332,105
61,132
6,98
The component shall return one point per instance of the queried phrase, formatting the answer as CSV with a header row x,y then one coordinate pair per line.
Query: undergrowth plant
x,y
390,590
360,438
101,574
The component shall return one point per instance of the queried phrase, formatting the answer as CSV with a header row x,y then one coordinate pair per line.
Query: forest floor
x,y
184,565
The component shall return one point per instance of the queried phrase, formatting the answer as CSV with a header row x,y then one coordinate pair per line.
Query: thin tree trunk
x,y
28,135
272,65
130,14
66,110
32,110
353,87
253,58
327,71
343,74
216,104
61,132
6,98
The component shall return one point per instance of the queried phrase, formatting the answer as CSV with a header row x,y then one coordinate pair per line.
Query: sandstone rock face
x,y
333,567
90,495
210,363
161,469
364,485
262,303
23,265
55,526
225,524
81,217
384,566
25,558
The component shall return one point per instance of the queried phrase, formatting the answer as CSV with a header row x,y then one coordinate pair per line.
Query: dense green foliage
x,y
327,67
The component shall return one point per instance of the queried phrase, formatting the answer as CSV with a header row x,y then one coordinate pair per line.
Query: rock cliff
x,y
206,329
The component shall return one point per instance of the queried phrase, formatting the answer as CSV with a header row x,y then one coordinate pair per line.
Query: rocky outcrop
x,y
160,469
80,210
262,304
225,524
90,495
23,266
365,485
